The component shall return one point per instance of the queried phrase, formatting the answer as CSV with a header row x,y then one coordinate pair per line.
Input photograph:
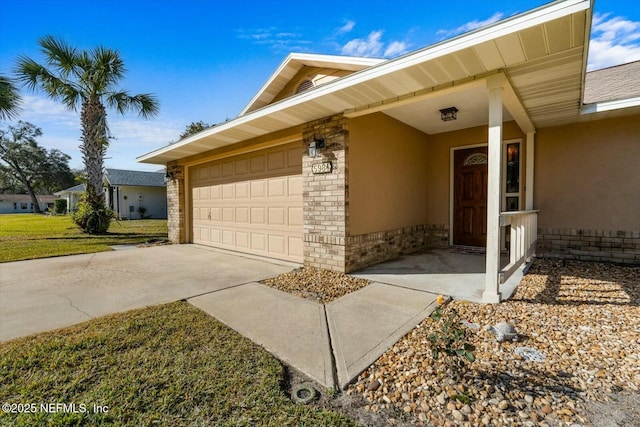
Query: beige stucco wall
x,y
388,176
587,175
438,165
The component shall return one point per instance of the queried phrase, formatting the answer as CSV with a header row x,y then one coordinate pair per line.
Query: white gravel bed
x,y
583,318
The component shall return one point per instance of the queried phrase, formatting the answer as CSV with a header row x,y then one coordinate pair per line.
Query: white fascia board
x,y
308,57
520,22
600,107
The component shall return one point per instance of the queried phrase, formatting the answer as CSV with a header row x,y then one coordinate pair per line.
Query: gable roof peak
x,y
293,63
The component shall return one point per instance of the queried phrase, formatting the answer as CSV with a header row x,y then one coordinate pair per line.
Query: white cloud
x,y
373,46
273,38
40,110
614,40
395,48
471,25
347,27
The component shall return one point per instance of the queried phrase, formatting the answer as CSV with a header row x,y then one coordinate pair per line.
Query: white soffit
x,y
542,53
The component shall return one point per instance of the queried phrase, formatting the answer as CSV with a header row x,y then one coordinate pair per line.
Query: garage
x,y
250,203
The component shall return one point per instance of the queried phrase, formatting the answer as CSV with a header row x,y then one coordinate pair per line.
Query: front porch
x,y
456,272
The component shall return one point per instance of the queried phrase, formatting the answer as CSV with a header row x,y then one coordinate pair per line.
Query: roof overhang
x,y
541,52
293,64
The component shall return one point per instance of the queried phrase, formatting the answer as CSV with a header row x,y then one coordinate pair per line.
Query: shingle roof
x,y
135,178
613,83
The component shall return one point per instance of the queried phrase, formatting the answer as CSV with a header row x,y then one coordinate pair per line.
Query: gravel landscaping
x,y
582,319
322,286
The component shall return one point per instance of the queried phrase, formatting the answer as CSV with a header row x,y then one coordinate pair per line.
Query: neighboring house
x,y
495,138
21,203
126,192
72,196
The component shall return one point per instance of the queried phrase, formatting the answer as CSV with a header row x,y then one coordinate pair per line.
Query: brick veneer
x,y
325,196
327,240
176,211
589,245
369,249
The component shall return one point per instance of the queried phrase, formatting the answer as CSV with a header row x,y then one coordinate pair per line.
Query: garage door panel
x,y
242,167
227,237
228,169
259,241
242,190
276,187
257,164
251,203
295,245
277,244
276,161
215,171
228,191
227,214
294,186
258,216
242,240
276,216
242,215
294,157
258,188
295,216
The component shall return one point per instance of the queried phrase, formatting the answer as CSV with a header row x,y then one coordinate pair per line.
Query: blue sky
x,y
205,60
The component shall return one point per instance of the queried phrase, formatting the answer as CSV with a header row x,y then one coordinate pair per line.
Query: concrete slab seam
x,y
216,290
406,287
378,350
334,368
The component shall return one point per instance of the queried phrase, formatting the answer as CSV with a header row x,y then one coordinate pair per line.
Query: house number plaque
x,y
324,167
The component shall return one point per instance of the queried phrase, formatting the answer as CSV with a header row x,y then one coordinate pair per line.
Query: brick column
x,y
176,210
326,195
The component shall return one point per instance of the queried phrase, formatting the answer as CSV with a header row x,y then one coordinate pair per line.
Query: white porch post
x,y
530,176
495,85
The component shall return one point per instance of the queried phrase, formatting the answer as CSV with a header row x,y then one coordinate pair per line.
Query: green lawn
x,y
168,365
28,236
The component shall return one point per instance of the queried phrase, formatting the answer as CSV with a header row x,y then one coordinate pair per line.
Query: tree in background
x,y
193,128
9,99
86,79
27,167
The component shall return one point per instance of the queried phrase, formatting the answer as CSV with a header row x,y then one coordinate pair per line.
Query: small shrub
x,y
451,338
60,206
92,215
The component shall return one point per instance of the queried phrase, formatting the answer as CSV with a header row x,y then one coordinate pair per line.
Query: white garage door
x,y
250,203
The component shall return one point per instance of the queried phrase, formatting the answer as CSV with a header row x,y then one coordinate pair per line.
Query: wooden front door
x,y
470,197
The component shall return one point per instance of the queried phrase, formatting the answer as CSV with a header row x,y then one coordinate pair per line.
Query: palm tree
x,y
87,79
9,99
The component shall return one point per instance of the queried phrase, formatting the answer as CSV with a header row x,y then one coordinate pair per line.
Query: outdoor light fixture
x,y
447,114
168,176
314,147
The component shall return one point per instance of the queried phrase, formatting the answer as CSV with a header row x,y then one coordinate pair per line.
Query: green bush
x,y
92,216
60,206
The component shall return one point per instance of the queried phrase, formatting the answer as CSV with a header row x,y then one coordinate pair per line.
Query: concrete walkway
x,y
443,271
330,343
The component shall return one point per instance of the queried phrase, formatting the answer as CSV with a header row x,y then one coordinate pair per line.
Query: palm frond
x,y
10,99
145,104
60,56
34,76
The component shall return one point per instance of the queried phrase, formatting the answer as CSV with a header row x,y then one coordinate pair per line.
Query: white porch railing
x,y
524,233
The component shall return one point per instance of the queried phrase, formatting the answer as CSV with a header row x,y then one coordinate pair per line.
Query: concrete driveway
x,y
45,294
